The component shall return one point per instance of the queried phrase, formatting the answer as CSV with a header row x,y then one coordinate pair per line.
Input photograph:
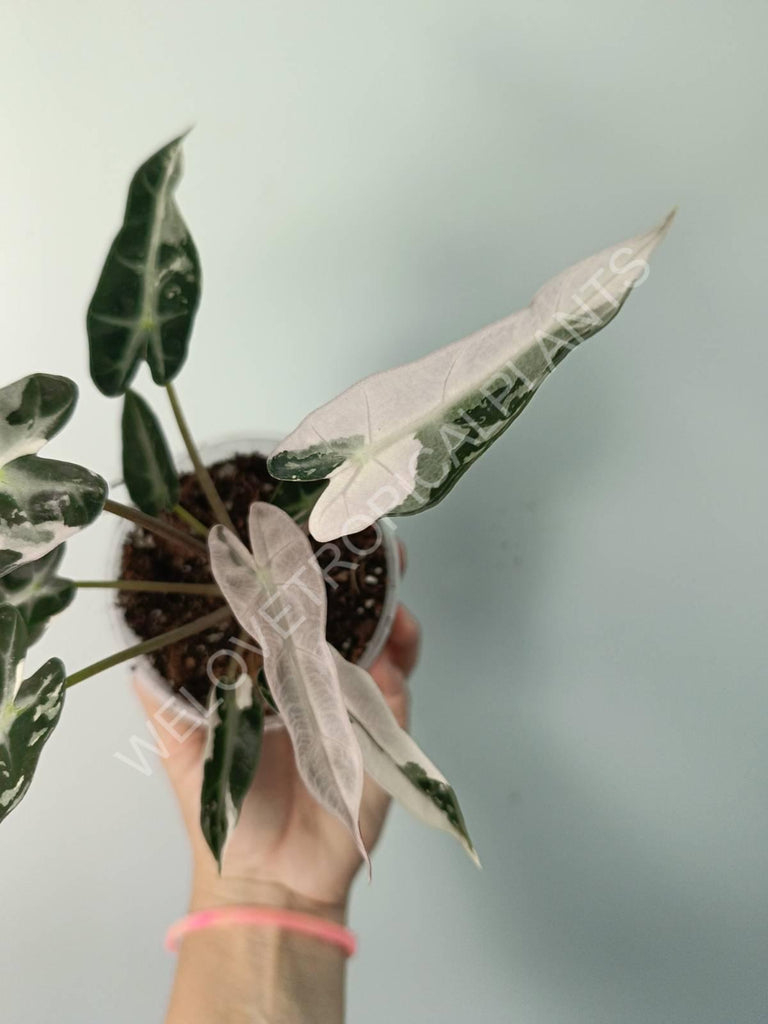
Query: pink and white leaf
x,y
276,592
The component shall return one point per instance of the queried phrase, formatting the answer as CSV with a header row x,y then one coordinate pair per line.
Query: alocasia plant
x,y
395,443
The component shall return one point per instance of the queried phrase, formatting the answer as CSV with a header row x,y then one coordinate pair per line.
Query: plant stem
x,y
278,487
151,586
147,646
194,524
201,471
154,525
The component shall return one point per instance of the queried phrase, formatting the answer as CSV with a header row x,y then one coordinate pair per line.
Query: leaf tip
x,y
666,224
658,233
474,857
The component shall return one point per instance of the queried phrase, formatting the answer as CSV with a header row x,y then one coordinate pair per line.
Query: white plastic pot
x,y
217,452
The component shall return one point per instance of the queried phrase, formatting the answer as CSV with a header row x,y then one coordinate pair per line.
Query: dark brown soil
x,y
355,583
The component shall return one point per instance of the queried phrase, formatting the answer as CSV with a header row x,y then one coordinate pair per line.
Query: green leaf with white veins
x,y
236,726
42,502
145,302
29,710
33,410
148,469
276,592
394,760
38,592
397,442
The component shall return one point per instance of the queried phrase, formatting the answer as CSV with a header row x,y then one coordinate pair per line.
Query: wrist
x,y
249,972
209,889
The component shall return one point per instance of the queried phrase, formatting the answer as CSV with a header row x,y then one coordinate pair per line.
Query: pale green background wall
x,y
365,182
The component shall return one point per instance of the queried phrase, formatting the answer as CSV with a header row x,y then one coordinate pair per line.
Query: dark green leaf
x,y
297,498
38,592
29,710
145,302
232,755
32,410
150,475
42,503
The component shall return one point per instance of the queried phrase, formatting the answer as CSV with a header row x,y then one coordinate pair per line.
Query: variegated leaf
x,y
33,410
277,594
397,442
38,592
42,503
236,726
148,469
394,760
145,302
29,710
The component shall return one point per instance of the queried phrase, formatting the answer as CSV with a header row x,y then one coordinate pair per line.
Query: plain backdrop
x,y
365,182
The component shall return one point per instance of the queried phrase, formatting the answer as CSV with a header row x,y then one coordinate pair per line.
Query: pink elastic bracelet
x,y
289,920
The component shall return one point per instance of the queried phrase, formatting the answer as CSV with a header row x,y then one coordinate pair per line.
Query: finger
x,y
402,555
387,675
404,640
391,680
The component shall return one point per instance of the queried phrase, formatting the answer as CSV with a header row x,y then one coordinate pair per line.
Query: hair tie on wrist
x,y
288,920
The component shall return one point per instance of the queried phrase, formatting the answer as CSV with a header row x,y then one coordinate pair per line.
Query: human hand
x,y
286,850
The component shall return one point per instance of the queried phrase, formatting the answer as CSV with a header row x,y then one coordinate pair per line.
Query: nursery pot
x,y
368,593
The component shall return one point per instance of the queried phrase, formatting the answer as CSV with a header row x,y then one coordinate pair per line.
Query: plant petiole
x,y
164,530
194,524
201,471
152,587
147,646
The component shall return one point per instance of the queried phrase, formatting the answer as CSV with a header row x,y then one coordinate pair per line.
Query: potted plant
x,y
256,582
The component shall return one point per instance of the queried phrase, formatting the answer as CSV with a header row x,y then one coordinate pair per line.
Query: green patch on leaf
x,y
315,462
440,793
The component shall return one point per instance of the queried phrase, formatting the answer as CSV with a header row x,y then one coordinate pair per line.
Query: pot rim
x,y
147,674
